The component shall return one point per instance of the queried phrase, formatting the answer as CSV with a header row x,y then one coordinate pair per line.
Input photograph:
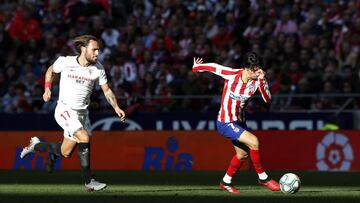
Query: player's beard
x,y
90,59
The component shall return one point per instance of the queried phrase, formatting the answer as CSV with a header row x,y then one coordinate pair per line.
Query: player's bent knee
x,y
255,143
243,156
84,140
82,137
66,154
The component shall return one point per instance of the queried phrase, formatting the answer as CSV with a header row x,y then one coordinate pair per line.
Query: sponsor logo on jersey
x,y
77,77
238,97
251,88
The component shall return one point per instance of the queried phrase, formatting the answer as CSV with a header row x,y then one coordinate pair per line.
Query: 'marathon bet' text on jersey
x,y
77,82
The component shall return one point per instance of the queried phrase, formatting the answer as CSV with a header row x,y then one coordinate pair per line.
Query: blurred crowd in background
x,y
308,47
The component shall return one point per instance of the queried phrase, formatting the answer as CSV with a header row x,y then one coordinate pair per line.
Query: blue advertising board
x,y
177,121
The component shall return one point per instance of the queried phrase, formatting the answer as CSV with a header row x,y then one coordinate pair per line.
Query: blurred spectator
x,y
302,102
36,100
284,102
3,84
110,36
285,24
307,46
11,74
24,26
325,101
273,80
9,99
346,102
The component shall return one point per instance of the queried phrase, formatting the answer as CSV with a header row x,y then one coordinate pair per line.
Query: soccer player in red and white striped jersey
x,y
239,86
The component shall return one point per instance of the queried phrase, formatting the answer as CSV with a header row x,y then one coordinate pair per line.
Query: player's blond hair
x,y
83,41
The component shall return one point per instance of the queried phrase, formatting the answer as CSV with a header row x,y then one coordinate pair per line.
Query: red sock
x,y
256,160
235,165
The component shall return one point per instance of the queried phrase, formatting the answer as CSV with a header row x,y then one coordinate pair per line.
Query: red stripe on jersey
x,y
230,112
243,87
204,68
222,109
263,91
228,72
238,103
235,83
233,88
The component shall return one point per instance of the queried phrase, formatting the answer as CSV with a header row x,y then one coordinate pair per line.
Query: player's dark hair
x,y
251,60
83,41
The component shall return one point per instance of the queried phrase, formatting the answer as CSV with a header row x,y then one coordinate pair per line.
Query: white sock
x,y
262,176
227,178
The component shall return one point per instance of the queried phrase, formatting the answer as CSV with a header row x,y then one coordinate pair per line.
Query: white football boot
x,y
95,185
27,150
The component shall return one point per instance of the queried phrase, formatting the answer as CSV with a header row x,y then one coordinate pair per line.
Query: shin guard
x,y
84,158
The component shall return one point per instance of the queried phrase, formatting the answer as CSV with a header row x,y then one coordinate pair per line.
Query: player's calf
x,y
50,162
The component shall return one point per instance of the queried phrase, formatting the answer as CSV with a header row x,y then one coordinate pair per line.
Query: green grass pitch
x,y
195,186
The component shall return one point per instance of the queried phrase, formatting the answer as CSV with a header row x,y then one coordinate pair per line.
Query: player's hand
x,y
47,95
120,113
198,61
261,74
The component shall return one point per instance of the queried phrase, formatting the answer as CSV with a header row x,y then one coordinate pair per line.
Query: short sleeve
x,y
102,77
59,64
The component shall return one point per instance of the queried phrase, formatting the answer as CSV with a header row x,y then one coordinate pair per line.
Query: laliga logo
x,y
334,153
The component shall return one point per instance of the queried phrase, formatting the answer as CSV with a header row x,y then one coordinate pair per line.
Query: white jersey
x,y
77,82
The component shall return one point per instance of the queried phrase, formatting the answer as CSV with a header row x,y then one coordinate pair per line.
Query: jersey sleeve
x,y
59,64
102,78
264,90
222,71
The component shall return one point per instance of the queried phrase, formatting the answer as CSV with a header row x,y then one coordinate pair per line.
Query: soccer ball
x,y
289,183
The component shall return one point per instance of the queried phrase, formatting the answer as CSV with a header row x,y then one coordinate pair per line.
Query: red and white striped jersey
x,y
236,93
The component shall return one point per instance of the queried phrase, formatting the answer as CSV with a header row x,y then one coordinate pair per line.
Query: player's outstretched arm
x,y
223,71
110,97
49,77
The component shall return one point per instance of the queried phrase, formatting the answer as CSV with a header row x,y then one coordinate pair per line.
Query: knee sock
x,y
235,165
84,158
51,147
256,160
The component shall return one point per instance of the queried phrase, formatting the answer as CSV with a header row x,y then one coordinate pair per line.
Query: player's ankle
x,y
264,180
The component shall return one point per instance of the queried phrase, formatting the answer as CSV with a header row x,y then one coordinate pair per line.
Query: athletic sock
x,y
51,147
263,176
235,165
84,158
256,160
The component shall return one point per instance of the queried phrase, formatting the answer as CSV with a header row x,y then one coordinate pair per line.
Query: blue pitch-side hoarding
x,y
177,121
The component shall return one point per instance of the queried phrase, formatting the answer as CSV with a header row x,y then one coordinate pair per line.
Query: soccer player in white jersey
x,y
78,75
239,86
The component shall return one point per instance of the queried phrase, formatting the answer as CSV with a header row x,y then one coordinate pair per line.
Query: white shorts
x,y
72,120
